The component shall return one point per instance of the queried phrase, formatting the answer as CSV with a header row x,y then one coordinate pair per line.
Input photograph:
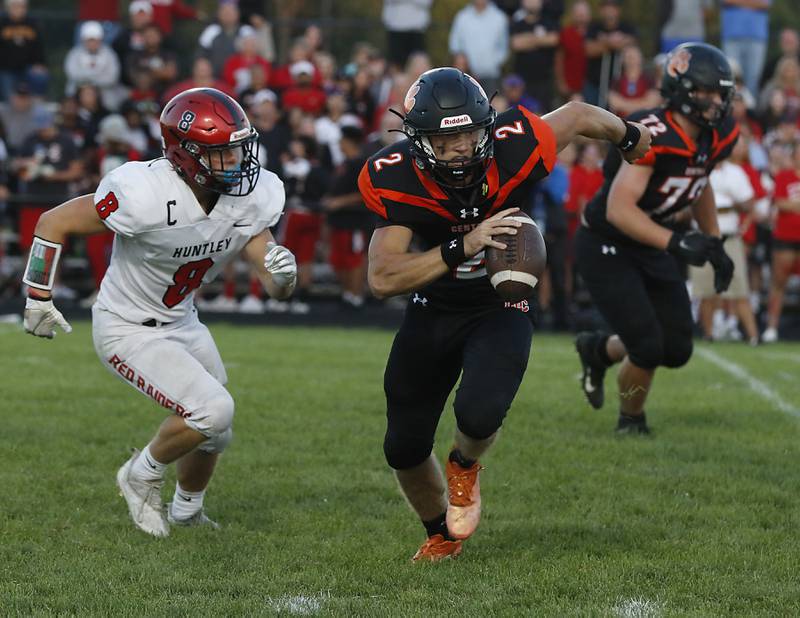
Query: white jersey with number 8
x,y
165,244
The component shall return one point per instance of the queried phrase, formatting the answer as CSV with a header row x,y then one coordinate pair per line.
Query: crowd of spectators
x,y
320,116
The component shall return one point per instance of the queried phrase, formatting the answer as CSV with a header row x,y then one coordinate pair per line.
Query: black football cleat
x,y
593,372
632,425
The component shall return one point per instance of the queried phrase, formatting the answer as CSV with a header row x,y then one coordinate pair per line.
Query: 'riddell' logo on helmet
x,y
455,121
679,63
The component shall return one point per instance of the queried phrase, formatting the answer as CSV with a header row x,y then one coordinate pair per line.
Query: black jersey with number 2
x,y
394,187
680,165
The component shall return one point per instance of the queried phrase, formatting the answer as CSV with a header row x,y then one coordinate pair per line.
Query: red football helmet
x,y
208,138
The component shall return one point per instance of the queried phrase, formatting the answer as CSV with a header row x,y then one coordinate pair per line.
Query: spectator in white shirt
x,y
720,314
94,62
480,36
406,22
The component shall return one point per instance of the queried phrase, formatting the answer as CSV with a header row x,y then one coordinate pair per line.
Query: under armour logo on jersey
x,y
701,158
471,213
609,250
419,299
453,244
187,118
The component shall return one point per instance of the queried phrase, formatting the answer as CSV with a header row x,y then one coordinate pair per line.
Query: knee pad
x,y
218,443
677,351
480,417
646,353
404,451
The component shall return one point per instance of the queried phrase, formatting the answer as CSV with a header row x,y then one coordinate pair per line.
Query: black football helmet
x,y
694,67
444,101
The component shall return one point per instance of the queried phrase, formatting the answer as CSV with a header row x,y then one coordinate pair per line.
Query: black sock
x,y
457,457
600,352
638,419
438,525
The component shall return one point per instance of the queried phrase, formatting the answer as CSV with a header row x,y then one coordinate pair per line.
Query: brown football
x,y
515,271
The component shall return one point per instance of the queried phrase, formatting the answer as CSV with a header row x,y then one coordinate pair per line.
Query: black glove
x,y
723,266
692,247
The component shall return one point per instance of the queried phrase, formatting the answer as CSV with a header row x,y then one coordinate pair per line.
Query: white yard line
x,y
756,385
795,358
299,605
638,607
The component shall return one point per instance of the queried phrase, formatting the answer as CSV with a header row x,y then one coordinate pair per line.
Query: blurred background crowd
x,y
319,98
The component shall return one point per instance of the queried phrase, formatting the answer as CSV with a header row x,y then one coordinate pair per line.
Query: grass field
x,y
700,519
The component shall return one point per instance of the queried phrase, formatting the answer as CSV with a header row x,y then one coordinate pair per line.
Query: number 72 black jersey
x,y
680,165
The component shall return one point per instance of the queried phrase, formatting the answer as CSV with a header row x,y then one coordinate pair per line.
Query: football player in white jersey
x,y
177,220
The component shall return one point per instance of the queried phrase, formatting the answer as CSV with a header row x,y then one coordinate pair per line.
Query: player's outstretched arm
x,y
274,265
75,217
394,270
581,119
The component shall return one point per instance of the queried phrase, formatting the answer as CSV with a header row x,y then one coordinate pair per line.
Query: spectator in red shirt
x,y
570,61
164,11
236,71
571,53
786,242
98,10
303,94
633,90
281,77
585,179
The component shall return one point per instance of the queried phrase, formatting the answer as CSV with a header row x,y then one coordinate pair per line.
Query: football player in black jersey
x,y
626,251
451,184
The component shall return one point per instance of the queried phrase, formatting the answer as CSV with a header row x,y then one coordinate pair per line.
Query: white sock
x,y
186,503
147,467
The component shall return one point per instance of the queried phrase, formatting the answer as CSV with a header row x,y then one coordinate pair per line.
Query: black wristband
x,y
632,136
453,252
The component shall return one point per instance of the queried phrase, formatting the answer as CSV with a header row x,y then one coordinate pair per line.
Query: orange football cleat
x,y
464,499
436,548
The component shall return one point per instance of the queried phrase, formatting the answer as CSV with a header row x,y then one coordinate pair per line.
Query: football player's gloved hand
x,y
692,247
280,263
723,266
42,317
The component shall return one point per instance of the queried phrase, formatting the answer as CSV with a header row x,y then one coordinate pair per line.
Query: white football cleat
x,y
770,335
198,519
251,304
143,498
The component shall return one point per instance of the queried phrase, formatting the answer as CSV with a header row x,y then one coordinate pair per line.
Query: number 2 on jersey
x,y
186,280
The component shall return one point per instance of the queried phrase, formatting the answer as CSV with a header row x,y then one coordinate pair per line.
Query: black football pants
x,y
429,352
642,295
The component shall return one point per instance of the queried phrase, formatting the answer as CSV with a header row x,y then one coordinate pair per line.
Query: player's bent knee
x,y
677,352
218,414
404,451
218,443
646,353
480,418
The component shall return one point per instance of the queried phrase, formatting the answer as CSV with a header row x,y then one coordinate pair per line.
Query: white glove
x,y
280,263
41,318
